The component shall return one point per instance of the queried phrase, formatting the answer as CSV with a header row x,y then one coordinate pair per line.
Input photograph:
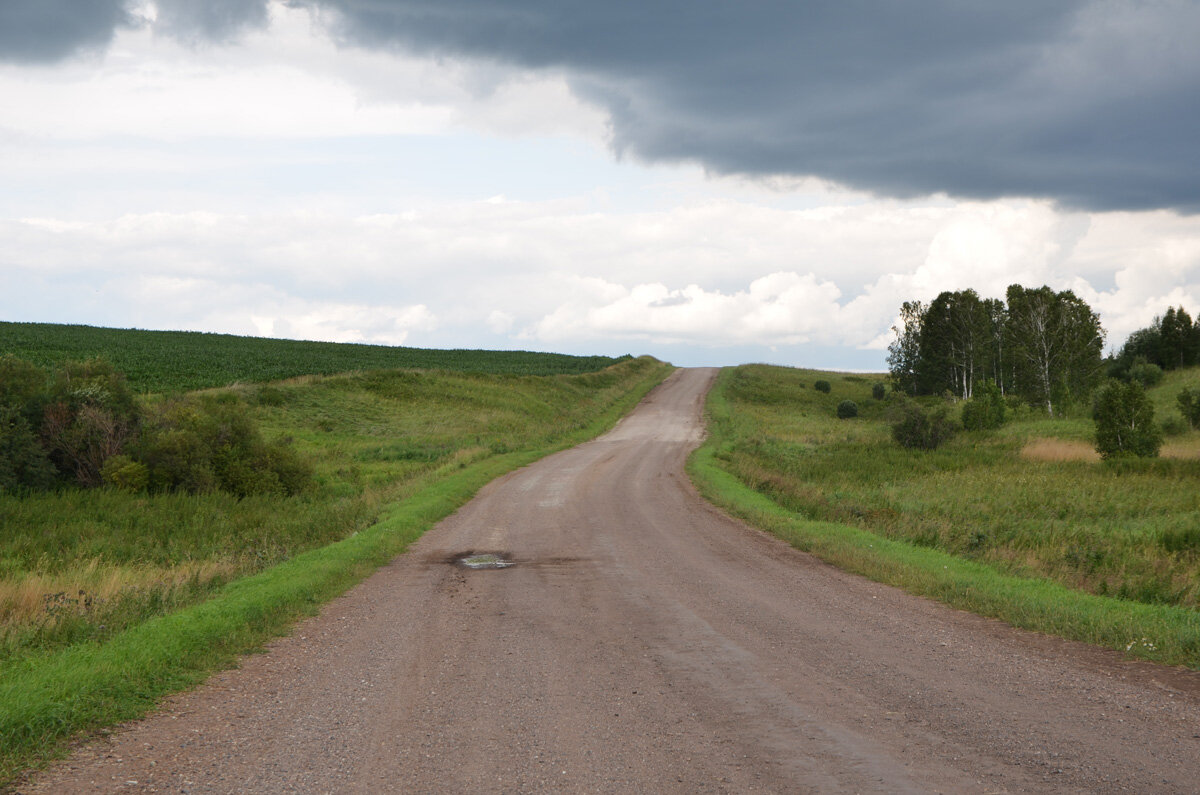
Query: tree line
x,y
1170,342
1040,345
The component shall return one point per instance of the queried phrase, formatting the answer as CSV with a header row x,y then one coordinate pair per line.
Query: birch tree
x,y
905,351
955,345
1056,341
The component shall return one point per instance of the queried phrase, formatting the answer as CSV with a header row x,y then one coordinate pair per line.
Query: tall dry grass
x,y
91,586
1059,450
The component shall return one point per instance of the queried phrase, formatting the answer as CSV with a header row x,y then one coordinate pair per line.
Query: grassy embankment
x,y
1019,523
110,600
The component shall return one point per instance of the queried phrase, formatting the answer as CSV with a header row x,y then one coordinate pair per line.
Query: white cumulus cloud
x,y
782,308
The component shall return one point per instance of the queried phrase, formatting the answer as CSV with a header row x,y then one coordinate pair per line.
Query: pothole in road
x,y
485,560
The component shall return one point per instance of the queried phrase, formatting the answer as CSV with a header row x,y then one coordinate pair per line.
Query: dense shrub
x,y
210,443
23,461
89,416
986,410
879,390
1189,405
22,387
918,428
822,386
1146,374
1125,423
847,409
84,424
124,473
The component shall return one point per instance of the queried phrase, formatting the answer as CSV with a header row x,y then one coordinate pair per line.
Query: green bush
x,y
122,472
917,428
1146,374
1189,405
22,386
822,386
68,424
986,410
90,415
210,443
879,390
295,473
23,462
847,409
176,458
1125,423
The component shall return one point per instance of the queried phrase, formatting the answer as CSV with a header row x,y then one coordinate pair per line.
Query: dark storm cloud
x,y
213,20
1092,103
48,30
45,31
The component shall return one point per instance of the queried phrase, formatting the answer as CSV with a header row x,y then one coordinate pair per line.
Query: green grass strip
x,y
1156,632
46,701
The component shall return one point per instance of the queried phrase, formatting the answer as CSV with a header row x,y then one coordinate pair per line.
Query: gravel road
x,y
642,641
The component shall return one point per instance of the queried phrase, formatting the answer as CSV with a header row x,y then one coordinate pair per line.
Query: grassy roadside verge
x,y
1161,633
46,700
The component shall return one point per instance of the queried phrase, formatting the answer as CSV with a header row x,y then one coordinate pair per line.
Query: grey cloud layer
x,y
193,20
1092,103
48,30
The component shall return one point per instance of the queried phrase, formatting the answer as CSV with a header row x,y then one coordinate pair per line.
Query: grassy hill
x,y
178,361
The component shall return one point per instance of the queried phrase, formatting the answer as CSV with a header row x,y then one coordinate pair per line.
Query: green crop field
x,y
110,599
178,361
1029,502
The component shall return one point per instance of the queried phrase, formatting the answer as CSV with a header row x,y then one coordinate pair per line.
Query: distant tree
x,y
822,386
1175,329
1125,423
847,409
997,320
879,390
955,344
1041,345
904,354
1056,341
1171,341
1143,345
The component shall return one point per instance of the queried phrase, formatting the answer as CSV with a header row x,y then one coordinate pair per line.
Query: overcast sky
x,y
708,182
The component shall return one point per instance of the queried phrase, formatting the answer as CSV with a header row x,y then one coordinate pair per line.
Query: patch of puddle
x,y
487,560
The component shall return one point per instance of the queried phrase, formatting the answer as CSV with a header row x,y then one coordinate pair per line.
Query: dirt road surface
x,y
644,642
